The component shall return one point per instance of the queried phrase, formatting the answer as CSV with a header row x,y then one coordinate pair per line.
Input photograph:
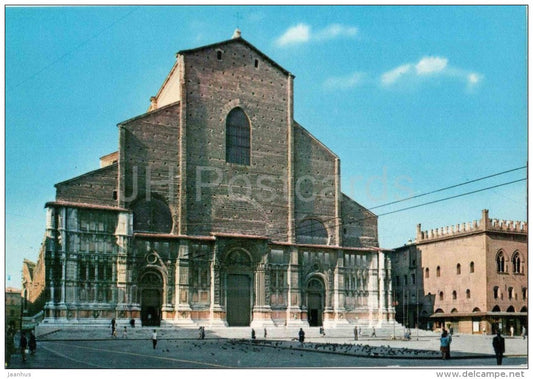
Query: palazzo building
x,y
471,277
217,209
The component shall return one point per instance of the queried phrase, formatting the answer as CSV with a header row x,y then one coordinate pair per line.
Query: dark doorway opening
x,y
151,290
315,302
238,300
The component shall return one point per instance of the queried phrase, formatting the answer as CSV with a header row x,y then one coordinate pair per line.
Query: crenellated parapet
x,y
482,225
508,226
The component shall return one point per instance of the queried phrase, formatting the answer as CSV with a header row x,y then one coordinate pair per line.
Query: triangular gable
x,y
241,41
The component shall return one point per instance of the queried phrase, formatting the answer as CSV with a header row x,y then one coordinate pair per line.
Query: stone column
x,y
183,309
373,289
338,291
294,301
261,311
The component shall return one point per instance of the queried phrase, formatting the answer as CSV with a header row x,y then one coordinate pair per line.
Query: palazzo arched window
x,y
500,262
237,137
516,263
458,269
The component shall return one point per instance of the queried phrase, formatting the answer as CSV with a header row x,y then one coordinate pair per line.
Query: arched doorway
x,y
238,288
315,301
151,288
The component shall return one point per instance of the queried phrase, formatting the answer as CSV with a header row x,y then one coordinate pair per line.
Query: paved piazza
x,y
222,353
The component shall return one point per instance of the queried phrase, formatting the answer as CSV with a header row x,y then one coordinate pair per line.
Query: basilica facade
x,y
217,209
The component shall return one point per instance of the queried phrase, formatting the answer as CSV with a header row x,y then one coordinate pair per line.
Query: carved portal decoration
x,y
151,279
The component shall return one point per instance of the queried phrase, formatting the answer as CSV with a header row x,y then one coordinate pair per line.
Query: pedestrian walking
x,y
113,327
265,333
355,334
322,331
511,330
498,343
154,339
373,332
23,345
132,323
253,335
523,332
301,336
32,344
445,341
125,333
202,332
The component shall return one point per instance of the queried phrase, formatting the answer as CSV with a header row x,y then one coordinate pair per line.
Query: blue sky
x,y
411,98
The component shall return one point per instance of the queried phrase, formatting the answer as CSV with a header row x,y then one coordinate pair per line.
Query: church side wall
x,y
314,183
149,149
359,225
95,187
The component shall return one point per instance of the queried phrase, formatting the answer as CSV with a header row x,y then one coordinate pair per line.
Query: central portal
x,y
238,291
238,300
151,287
315,302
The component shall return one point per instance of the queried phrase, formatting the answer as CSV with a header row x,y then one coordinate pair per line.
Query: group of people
x,y
124,331
27,344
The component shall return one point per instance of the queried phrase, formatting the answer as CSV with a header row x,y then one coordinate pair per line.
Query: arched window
x,y
500,262
468,294
524,293
510,291
312,231
237,137
516,263
510,309
496,309
496,292
426,271
438,271
454,295
458,269
471,267
441,295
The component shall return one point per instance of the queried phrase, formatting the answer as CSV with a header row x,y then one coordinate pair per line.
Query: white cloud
x,y
344,82
430,65
392,76
427,67
302,33
473,78
294,35
335,30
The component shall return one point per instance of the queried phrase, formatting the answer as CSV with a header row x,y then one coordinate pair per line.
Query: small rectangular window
x,y
256,63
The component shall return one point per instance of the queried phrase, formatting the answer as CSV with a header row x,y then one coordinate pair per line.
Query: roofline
x,y
469,234
108,155
145,114
362,206
72,204
112,165
316,139
234,40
